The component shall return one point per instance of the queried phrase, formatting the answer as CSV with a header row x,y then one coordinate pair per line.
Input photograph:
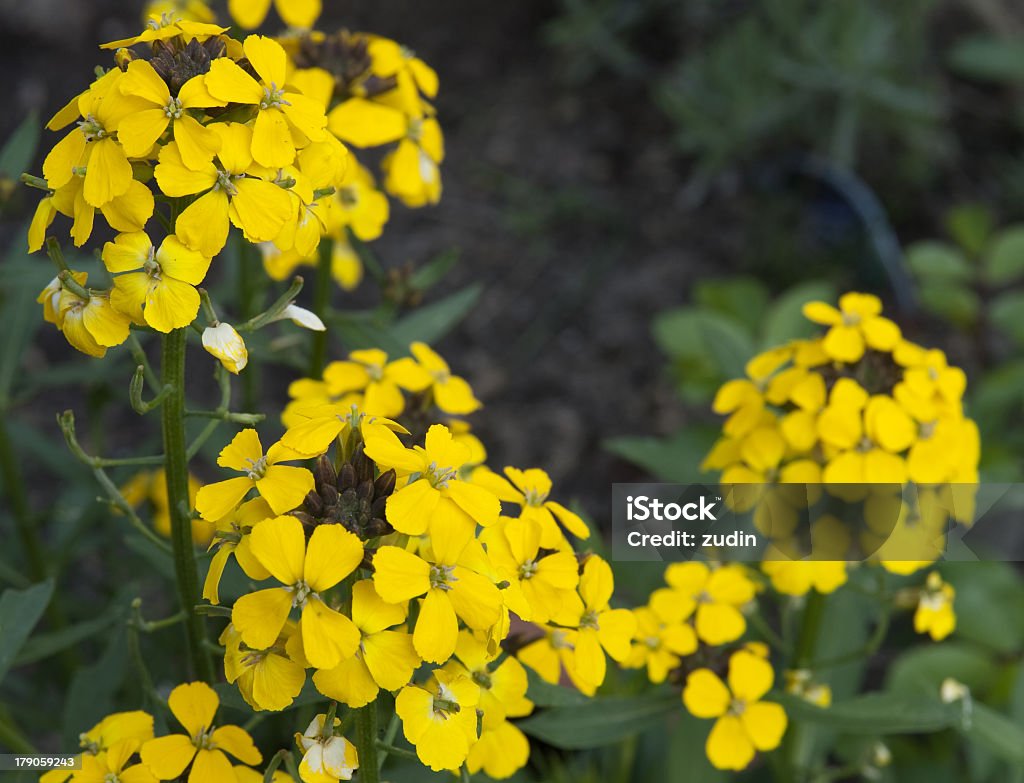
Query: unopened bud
x,y
227,345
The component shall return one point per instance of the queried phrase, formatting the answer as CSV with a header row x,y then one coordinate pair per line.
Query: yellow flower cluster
x,y
385,557
860,405
201,133
122,747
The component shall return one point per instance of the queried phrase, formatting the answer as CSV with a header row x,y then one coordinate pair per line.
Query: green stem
x,y
176,471
796,745
322,287
12,737
366,743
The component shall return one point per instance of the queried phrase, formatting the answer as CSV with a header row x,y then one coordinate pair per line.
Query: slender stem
x,y
275,762
12,737
465,776
322,288
176,471
366,743
386,750
389,740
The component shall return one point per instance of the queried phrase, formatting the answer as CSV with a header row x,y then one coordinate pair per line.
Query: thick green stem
x,y
176,470
322,287
797,744
366,743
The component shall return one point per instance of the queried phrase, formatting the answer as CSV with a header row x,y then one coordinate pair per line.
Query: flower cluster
x,y
200,132
386,557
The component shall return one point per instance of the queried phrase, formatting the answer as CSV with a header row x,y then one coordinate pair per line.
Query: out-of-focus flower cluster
x,y
192,132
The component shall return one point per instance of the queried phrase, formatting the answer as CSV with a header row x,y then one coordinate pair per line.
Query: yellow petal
x,y
411,508
260,208
171,305
750,676
437,628
138,132
194,705
196,144
390,658
131,210
226,81
300,14
267,57
399,575
260,616
728,746
331,554
719,623
108,173
248,14
213,501
705,695
349,682
238,743
203,226
327,636
284,487
176,179
364,123
844,343
822,313
454,395
180,262
211,766
272,144
167,757
280,546
765,723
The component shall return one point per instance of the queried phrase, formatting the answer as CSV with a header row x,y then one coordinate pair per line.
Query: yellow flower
x,y
93,146
268,679
152,486
232,537
385,658
282,486
451,590
112,765
529,489
91,325
186,10
412,170
799,577
325,759
935,615
501,751
282,112
118,728
451,393
155,286
744,401
502,686
305,571
125,213
715,598
744,724
662,636
225,343
49,298
380,381
436,492
203,745
42,218
799,682
358,205
249,14
440,719
166,27
139,131
538,586
230,195
317,426
413,76
855,326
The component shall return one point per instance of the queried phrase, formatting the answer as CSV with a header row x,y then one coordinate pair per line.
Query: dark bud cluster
x,y
350,496
176,62
346,57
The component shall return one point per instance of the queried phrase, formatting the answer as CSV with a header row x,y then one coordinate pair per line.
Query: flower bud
x,y
300,316
227,345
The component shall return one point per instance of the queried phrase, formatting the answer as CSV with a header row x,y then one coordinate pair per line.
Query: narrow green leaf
x,y
544,694
431,322
601,721
20,610
875,713
676,458
433,272
938,261
996,732
45,645
689,332
16,155
989,58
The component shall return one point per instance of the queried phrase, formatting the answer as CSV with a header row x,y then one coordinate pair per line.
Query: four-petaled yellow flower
x,y
935,615
715,598
744,724
91,325
440,719
856,326
452,394
155,286
305,571
112,765
283,487
204,745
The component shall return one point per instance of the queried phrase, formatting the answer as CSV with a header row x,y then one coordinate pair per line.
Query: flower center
x,y
441,577
926,430
589,620
204,739
738,707
534,498
258,469
92,129
375,371
174,109
558,640
933,601
850,319
439,476
652,642
483,679
273,97
151,266
348,196
226,182
302,593
528,570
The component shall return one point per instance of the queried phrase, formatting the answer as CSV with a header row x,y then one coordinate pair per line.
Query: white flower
x,y
333,758
227,345
307,319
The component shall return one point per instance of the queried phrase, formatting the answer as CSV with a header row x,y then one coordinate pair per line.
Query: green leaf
x,y
687,758
92,691
996,732
431,273
544,694
875,713
20,315
431,322
45,645
16,155
989,58
695,332
785,319
601,721
676,458
742,299
20,610
970,226
922,669
989,605
956,303
931,261
1005,312
1004,261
